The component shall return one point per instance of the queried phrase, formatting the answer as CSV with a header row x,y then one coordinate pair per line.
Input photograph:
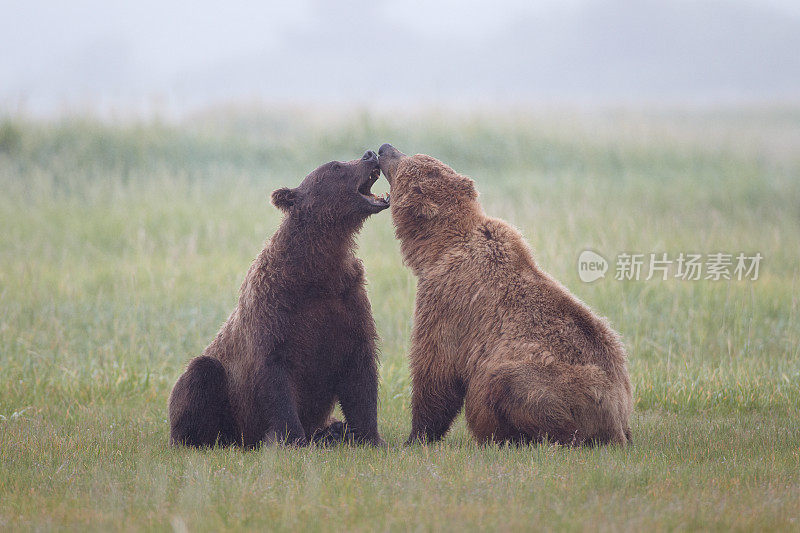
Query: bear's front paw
x,y
295,442
331,434
336,430
422,437
415,438
376,442
272,438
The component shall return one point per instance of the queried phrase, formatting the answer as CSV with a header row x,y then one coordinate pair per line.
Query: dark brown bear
x,y
302,335
491,330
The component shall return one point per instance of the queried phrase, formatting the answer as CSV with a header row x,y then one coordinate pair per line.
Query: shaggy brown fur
x,y
491,330
301,337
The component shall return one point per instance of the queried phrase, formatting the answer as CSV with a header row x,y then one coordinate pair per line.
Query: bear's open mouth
x,y
365,190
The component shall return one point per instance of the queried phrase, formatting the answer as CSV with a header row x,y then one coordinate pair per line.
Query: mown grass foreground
x,y
123,246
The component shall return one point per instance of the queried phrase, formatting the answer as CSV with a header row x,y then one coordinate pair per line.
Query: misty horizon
x,y
95,57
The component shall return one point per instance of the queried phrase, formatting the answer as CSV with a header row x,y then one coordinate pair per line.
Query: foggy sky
x,y
93,54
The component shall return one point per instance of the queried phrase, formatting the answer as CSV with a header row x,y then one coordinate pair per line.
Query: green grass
x,y
122,248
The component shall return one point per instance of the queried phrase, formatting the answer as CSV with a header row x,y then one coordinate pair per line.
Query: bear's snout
x,y
369,155
388,158
385,149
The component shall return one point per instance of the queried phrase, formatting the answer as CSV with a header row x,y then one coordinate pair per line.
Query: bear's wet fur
x,y
302,336
492,332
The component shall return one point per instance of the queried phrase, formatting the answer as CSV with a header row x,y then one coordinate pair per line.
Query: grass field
x,y
122,249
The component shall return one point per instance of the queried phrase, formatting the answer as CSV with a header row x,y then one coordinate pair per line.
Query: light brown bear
x,y
491,330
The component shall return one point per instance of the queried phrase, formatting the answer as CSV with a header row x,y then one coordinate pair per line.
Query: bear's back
x,y
489,290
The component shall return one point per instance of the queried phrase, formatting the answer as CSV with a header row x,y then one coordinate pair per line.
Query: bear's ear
x,y
468,186
284,198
